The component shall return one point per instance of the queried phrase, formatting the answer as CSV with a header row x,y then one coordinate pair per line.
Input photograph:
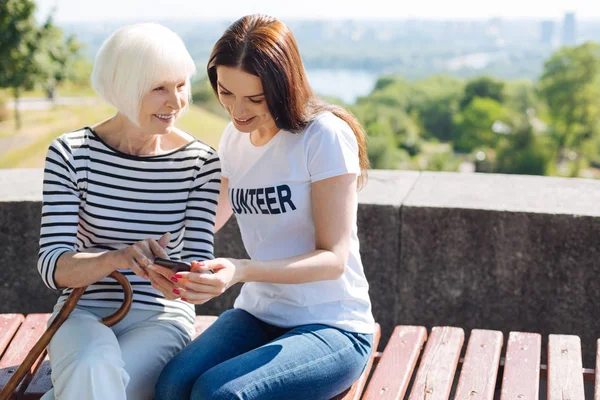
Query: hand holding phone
x,y
175,265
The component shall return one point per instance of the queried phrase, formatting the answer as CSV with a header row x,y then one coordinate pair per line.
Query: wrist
x,y
243,270
110,260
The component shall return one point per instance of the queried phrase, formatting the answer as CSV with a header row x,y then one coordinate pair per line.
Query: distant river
x,y
346,84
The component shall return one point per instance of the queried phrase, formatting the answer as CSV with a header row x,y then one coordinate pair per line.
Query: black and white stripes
x,y
97,198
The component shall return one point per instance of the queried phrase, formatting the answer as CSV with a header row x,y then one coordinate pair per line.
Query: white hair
x,y
133,60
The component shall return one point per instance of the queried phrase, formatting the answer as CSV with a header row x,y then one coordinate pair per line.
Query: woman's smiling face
x,y
160,108
242,96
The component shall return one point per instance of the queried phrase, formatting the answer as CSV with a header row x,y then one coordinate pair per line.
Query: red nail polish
x,y
184,299
175,291
174,279
177,276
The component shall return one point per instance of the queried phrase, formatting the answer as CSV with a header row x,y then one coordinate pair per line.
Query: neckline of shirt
x,y
264,146
134,157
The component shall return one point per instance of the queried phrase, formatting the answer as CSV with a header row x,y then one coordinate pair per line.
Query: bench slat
x,y
392,375
40,383
565,376
436,373
522,367
356,390
480,367
28,334
9,323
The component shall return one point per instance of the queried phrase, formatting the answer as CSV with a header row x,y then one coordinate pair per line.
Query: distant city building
x,y
569,30
547,33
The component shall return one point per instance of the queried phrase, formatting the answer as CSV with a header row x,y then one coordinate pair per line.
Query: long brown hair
x,y
265,47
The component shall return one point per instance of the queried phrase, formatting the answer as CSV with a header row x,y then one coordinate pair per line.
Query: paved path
x,y
41,103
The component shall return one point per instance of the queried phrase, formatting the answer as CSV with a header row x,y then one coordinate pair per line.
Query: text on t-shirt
x,y
268,200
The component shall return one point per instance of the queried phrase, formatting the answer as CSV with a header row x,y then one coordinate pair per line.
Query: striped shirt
x,y
97,198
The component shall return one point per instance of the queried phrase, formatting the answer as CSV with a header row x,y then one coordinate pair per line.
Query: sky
x,y
98,10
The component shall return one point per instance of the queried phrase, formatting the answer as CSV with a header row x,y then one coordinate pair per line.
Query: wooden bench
x,y
18,334
402,370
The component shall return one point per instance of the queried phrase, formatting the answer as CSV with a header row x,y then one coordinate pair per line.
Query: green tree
x,y
430,103
31,55
391,134
82,70
4,112
435,102
483,87
59,56
570,86
382,149
523,153
21,40
592,152
473,126
394,122
521,97
396,93
385,81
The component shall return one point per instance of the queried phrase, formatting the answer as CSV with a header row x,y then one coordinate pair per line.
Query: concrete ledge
x,y
513,193
21,185
475,250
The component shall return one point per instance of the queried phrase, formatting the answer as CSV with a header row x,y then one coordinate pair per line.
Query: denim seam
x,y
293,369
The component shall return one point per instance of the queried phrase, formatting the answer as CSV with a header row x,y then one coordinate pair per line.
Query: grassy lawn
x,y
28,146
203,124
65,90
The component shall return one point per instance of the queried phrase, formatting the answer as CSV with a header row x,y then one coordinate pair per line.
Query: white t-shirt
x,y
270,194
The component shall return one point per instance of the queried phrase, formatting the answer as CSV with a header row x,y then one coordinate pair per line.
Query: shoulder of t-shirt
x,y
194,146
327,126
204,153
228,133
71,141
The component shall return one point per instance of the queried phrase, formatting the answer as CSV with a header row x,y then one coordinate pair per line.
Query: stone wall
x,y
470,250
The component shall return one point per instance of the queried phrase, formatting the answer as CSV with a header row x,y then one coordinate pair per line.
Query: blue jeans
x,y
242,357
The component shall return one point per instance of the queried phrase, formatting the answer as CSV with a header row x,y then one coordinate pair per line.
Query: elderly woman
x,y
117,194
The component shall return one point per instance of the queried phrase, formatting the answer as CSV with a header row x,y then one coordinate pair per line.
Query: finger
x,y
195,287
164,271
140,260
202,278
140,257
156,249
165,240
194,297
207,265
144,248
169,280
164,286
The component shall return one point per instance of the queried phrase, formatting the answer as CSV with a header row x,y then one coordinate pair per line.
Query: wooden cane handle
x,y
127,299
61,317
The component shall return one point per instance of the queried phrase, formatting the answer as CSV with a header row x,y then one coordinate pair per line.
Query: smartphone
x,y
173,265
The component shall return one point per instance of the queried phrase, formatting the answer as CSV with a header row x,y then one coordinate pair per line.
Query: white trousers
x,y
92,361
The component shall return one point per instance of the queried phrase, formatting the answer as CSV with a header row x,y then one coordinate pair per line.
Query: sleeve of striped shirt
x,y
60,210
201,211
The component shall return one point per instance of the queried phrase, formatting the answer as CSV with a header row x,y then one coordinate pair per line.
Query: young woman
x,y
302,326
116,195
